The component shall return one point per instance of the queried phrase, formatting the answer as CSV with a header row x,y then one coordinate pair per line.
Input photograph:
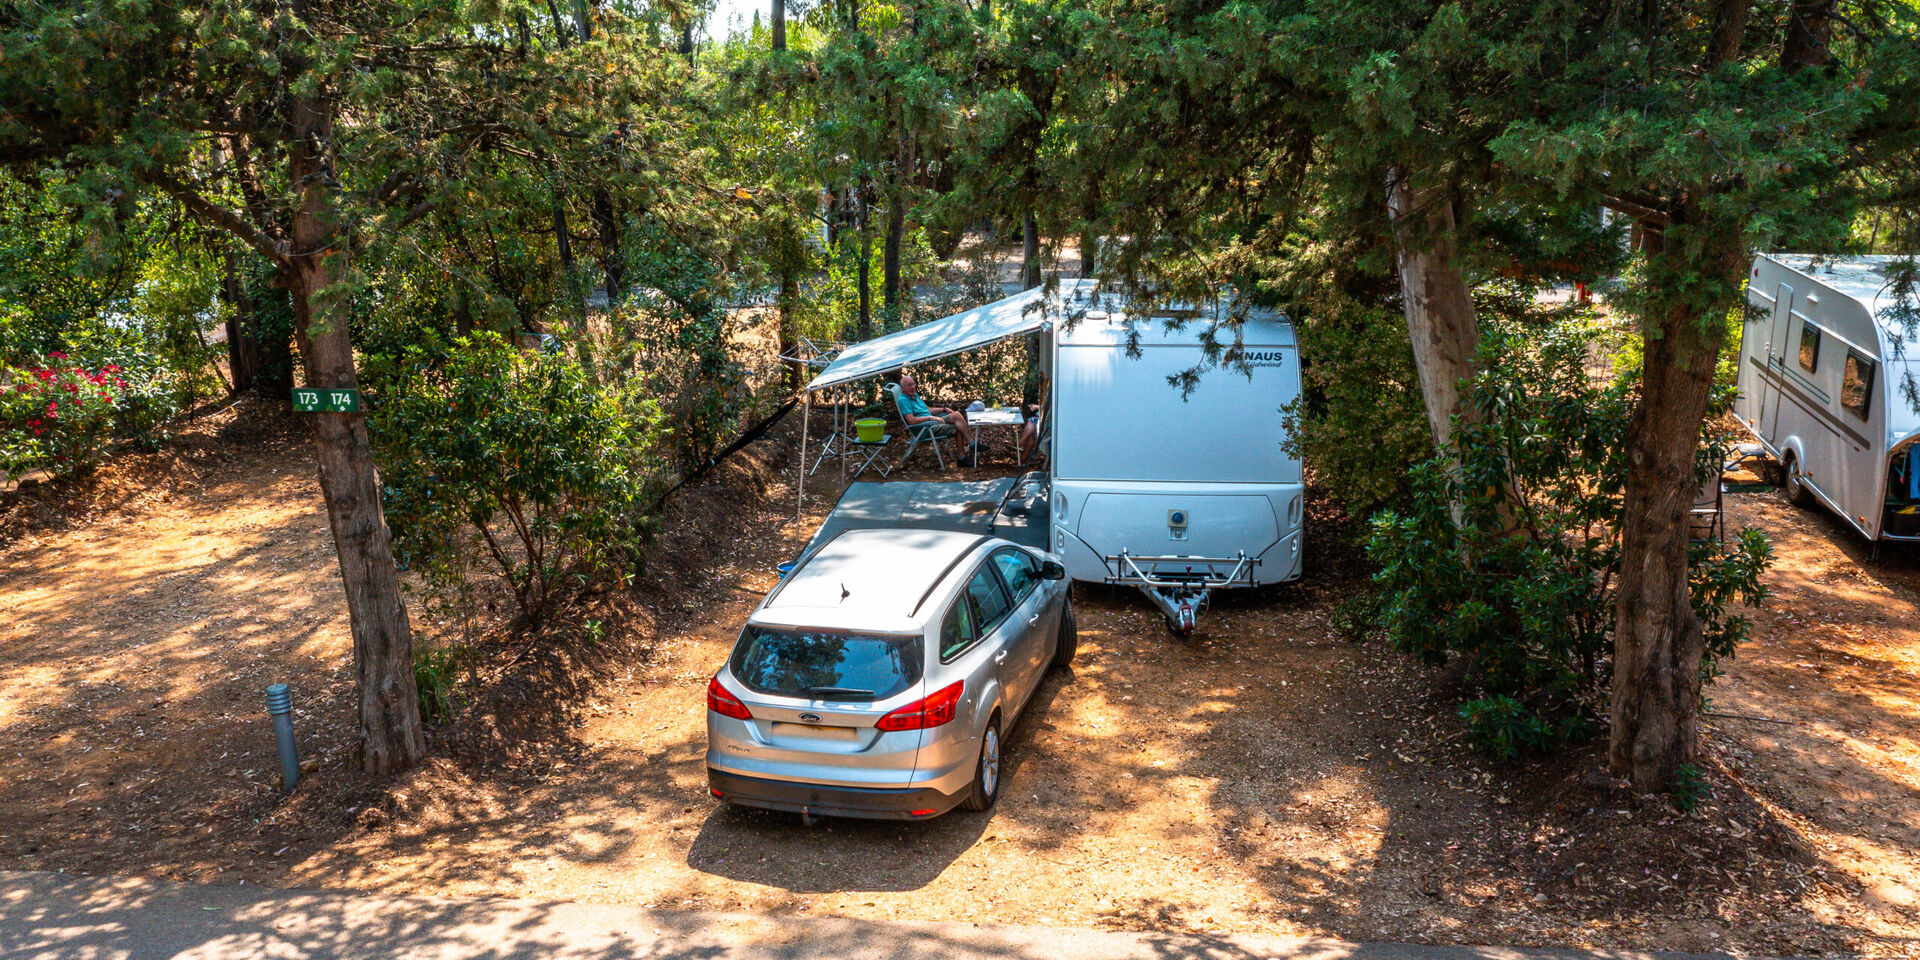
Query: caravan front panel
x,y
1151,463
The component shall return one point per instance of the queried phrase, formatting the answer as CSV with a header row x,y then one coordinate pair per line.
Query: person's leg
x,y
959,421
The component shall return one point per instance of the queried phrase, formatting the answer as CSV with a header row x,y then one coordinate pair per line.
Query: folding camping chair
x,y
1706,520
933,433
1741,454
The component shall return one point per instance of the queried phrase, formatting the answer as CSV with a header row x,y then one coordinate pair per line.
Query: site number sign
x,y
327,400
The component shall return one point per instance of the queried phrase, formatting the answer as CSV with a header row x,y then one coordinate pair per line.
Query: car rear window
x,y
826,665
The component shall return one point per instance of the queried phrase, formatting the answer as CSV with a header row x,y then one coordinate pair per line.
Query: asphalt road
x,y
44,916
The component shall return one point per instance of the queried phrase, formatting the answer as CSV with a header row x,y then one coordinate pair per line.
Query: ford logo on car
x,y
810,717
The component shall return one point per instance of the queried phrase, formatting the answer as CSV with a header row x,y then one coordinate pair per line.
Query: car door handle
x,y
1000,657
1033,620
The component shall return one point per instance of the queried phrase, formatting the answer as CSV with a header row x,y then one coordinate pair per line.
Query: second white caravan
x,y
1823,386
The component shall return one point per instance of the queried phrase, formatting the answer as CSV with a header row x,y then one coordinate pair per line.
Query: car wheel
x,y
1069,641
986,771
1798,493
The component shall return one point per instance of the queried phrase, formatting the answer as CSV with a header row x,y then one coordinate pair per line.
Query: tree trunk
x,y
1809,34
563,238
1729,27
258,337
890,266
241,359
560,30
1658,645
1029,252
462,311
612,263
866,287
779,24
789,330
390,731
1434,296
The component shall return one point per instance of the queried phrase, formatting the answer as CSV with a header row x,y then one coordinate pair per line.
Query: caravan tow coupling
x,y
1179,604
1180,596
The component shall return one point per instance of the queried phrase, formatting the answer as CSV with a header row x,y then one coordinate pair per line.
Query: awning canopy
x,y
1018,315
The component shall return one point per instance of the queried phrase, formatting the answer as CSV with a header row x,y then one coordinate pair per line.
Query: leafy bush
x,y
515,457
1359,421
436,673
57,416
1689,787
148,396
1506,563
1503,728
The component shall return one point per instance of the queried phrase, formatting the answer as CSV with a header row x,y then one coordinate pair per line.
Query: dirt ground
x,y
1268,777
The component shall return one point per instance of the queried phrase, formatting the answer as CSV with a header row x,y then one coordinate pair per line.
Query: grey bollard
x,y
280,706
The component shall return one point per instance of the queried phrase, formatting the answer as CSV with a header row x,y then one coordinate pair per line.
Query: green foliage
x,y
516,457
109,311
1359,422
60,414
1689,787
1504,728
436,678
1518,588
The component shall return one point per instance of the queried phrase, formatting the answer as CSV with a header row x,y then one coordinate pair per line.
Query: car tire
x,y
1798,493
987,770
1069,640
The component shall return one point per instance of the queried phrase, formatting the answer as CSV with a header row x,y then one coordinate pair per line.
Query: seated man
x,y
915,410
1035,415
1030,432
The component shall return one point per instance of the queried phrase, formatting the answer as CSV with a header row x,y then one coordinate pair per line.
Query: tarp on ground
x,y
1016,316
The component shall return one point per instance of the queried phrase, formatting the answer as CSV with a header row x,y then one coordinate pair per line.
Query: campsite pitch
x,y
1271,777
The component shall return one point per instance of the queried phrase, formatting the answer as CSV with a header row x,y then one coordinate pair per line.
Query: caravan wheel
x,y
1798,493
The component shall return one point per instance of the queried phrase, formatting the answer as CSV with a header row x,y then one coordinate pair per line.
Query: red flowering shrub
x,y
56,415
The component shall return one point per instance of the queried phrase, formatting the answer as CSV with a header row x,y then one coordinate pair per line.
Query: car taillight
x,y
929,711
724,703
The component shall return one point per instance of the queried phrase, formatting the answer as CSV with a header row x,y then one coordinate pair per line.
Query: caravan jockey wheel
x,y
1181,626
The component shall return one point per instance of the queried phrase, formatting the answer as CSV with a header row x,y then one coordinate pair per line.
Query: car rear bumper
x,y
874,803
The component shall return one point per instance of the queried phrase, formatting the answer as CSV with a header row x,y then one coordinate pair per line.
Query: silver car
x,y
879,677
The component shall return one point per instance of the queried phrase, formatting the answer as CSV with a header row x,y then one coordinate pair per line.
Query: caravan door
x,y
1776,359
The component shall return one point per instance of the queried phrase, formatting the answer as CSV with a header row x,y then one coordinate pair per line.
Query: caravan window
x,y
1809,346
1856,385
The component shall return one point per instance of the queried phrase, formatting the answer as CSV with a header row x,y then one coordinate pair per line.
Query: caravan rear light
x,y
724,703
930,711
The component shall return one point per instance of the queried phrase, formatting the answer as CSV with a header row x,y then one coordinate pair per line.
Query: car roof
x,y
866,578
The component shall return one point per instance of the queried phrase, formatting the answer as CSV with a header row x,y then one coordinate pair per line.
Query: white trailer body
x,y
1176,495
1821,387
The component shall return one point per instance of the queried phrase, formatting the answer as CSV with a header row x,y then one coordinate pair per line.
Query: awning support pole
x,y
800,501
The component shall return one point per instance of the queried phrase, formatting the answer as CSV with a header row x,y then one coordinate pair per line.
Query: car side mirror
x,y
1052,570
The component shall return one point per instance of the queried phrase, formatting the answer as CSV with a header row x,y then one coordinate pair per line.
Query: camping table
x,y
869,453
997,417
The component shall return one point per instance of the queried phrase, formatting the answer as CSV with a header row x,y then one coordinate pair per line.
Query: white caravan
x,y
1821,387
1178,495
